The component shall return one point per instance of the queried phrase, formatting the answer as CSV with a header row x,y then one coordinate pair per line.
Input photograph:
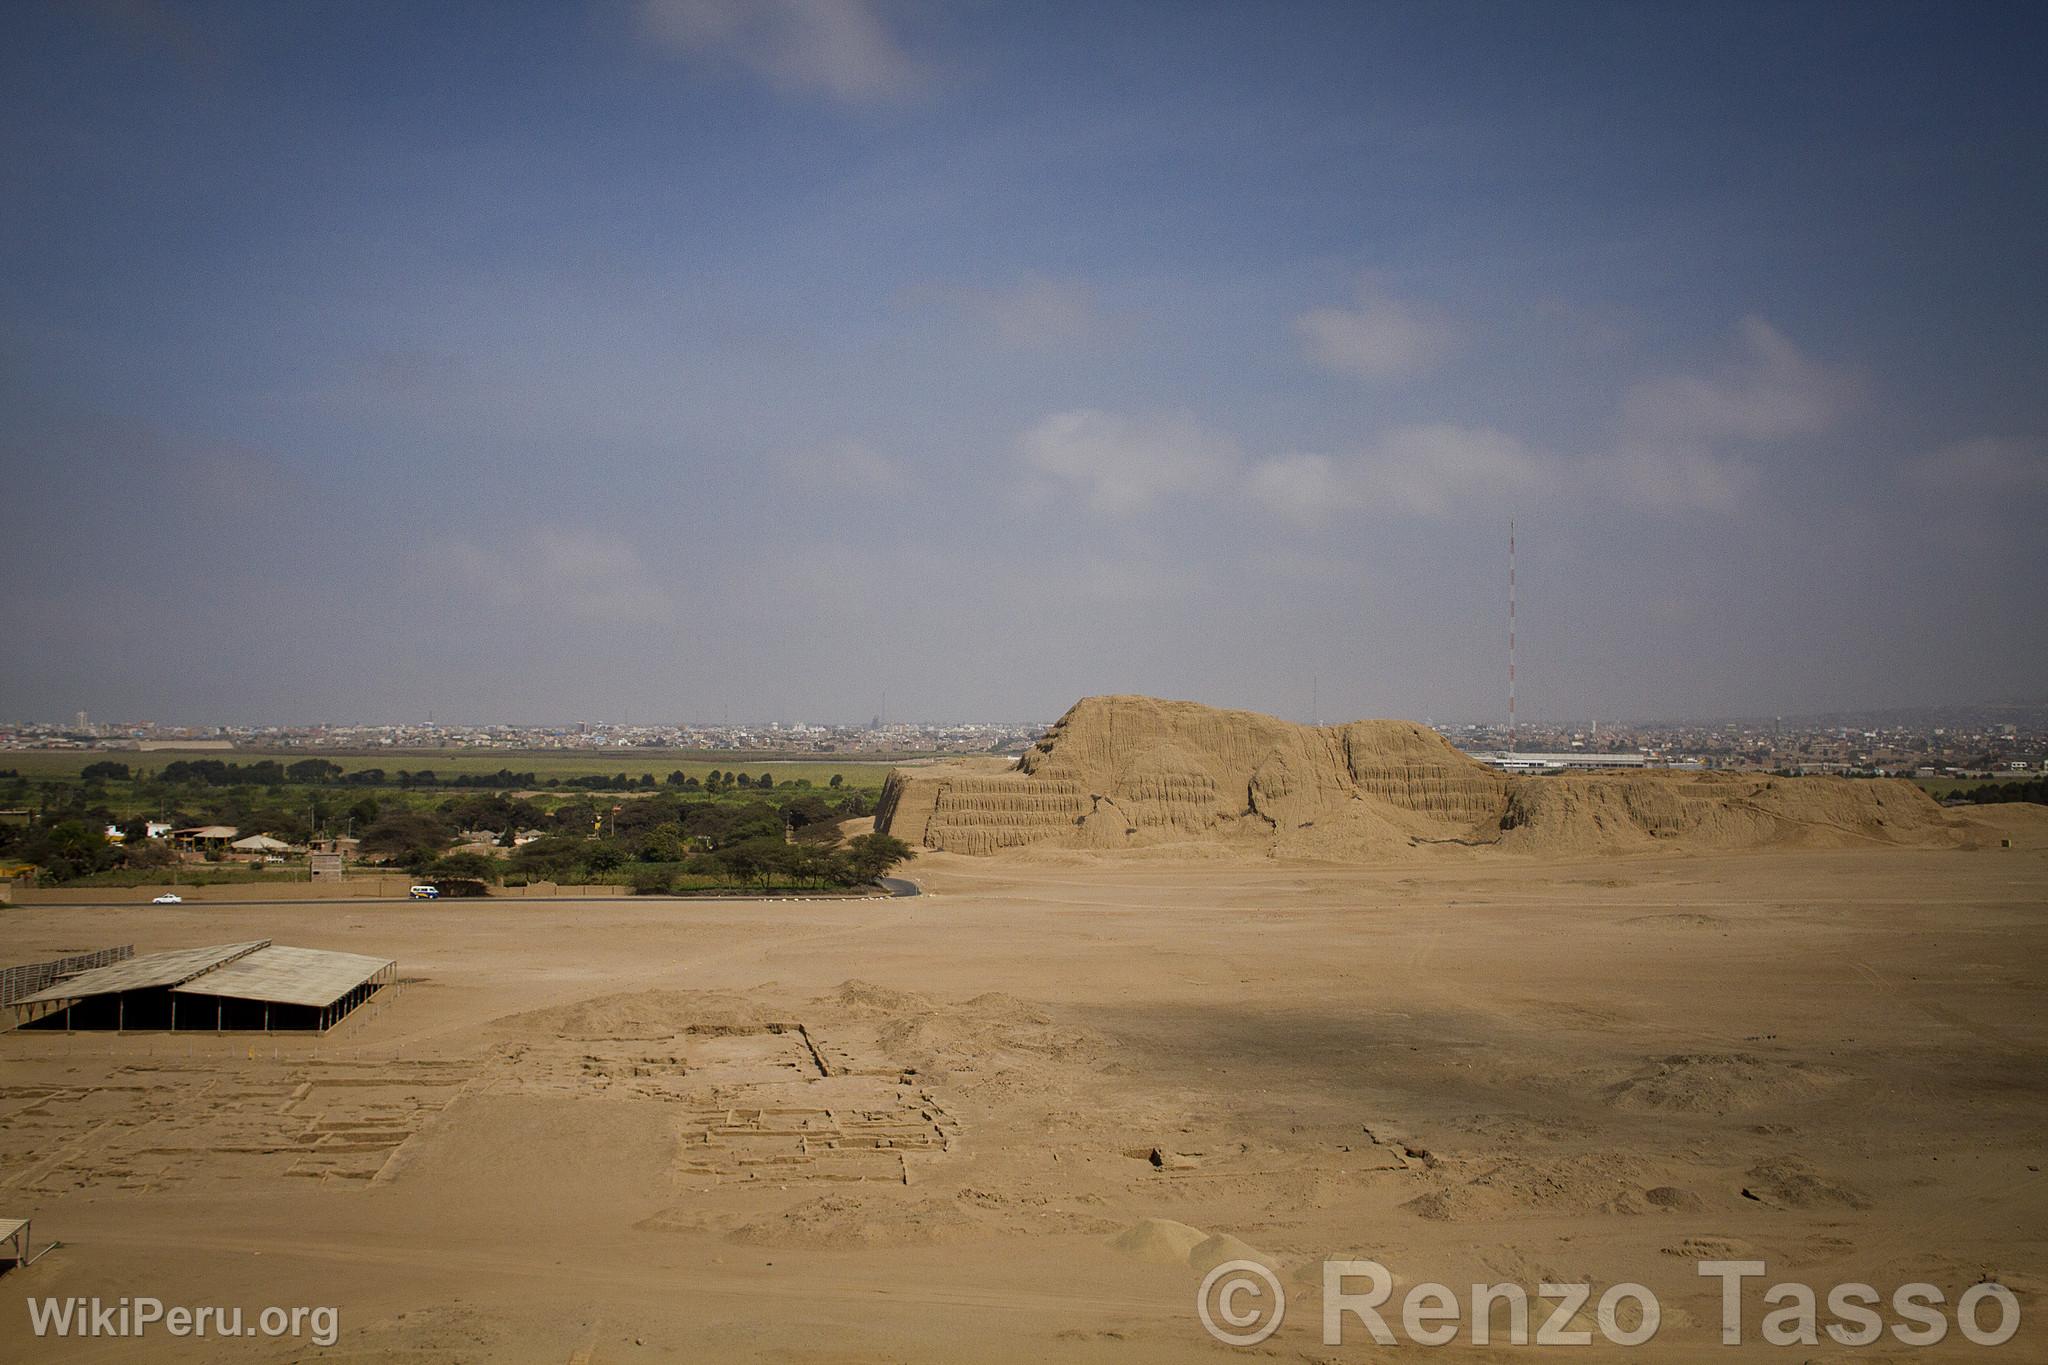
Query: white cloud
x,y
1423,470
850,466
1688,440
1101,578
1380,339
1988,464
1303,488
1123,464
1035,313
1427,468
1770,391
840,48
574,574
1684,442
1669,480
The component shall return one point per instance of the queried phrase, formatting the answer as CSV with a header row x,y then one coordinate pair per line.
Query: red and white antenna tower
x,y
1511,635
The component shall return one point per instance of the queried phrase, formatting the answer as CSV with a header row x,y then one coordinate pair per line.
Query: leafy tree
x,y
553,856
663,844
68,849
409,837
147,853
638,816
652,880
873,855
282,822
765,781
495,810
104,772
477,867
837,782
757,859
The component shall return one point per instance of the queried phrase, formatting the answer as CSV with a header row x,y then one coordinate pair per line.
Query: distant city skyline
x,y
2035,711
649,358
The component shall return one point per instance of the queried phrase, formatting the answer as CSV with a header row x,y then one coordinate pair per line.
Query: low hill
x,y
1133,772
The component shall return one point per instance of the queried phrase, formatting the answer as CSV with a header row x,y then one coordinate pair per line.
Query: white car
x,y
423,893
168,898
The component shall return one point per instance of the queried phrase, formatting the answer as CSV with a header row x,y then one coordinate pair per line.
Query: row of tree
x,y
761,860
2033,789
320,772
398,831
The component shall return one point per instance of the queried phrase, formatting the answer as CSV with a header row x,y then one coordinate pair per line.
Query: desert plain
x,y
1017,1116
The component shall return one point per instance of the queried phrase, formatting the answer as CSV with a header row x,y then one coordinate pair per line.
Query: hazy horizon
x,y
671,358
1895,713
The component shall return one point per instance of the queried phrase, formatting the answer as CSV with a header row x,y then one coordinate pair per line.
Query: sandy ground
x,y
1015,1118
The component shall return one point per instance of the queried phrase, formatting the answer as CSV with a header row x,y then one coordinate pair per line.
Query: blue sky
x,y
683,358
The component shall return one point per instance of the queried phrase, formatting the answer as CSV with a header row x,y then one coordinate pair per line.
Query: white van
x,y
423,893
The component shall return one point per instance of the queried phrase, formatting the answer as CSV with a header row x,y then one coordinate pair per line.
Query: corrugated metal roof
x,y
145,971
289,976
10,1226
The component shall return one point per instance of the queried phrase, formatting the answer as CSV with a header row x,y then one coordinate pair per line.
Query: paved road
x,y
895,886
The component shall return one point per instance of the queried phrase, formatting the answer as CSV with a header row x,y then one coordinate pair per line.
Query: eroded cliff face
x,y
1133,772
1119,772
1624,812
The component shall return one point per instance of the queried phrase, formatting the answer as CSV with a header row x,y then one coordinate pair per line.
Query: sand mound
x,y
2003,824
1602,1182
1160,1241
1165,1242
1579,813
1222,1247
866,1000
1792,1184
1712,1249
1139,773
1720,1083
998,1038
641,1015
844,1222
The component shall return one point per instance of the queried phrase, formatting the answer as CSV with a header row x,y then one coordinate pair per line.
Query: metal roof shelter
x,y
231,986
16,1232
147,970
289,976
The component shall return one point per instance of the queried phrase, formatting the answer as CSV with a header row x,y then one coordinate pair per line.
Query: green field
x,y
48,764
